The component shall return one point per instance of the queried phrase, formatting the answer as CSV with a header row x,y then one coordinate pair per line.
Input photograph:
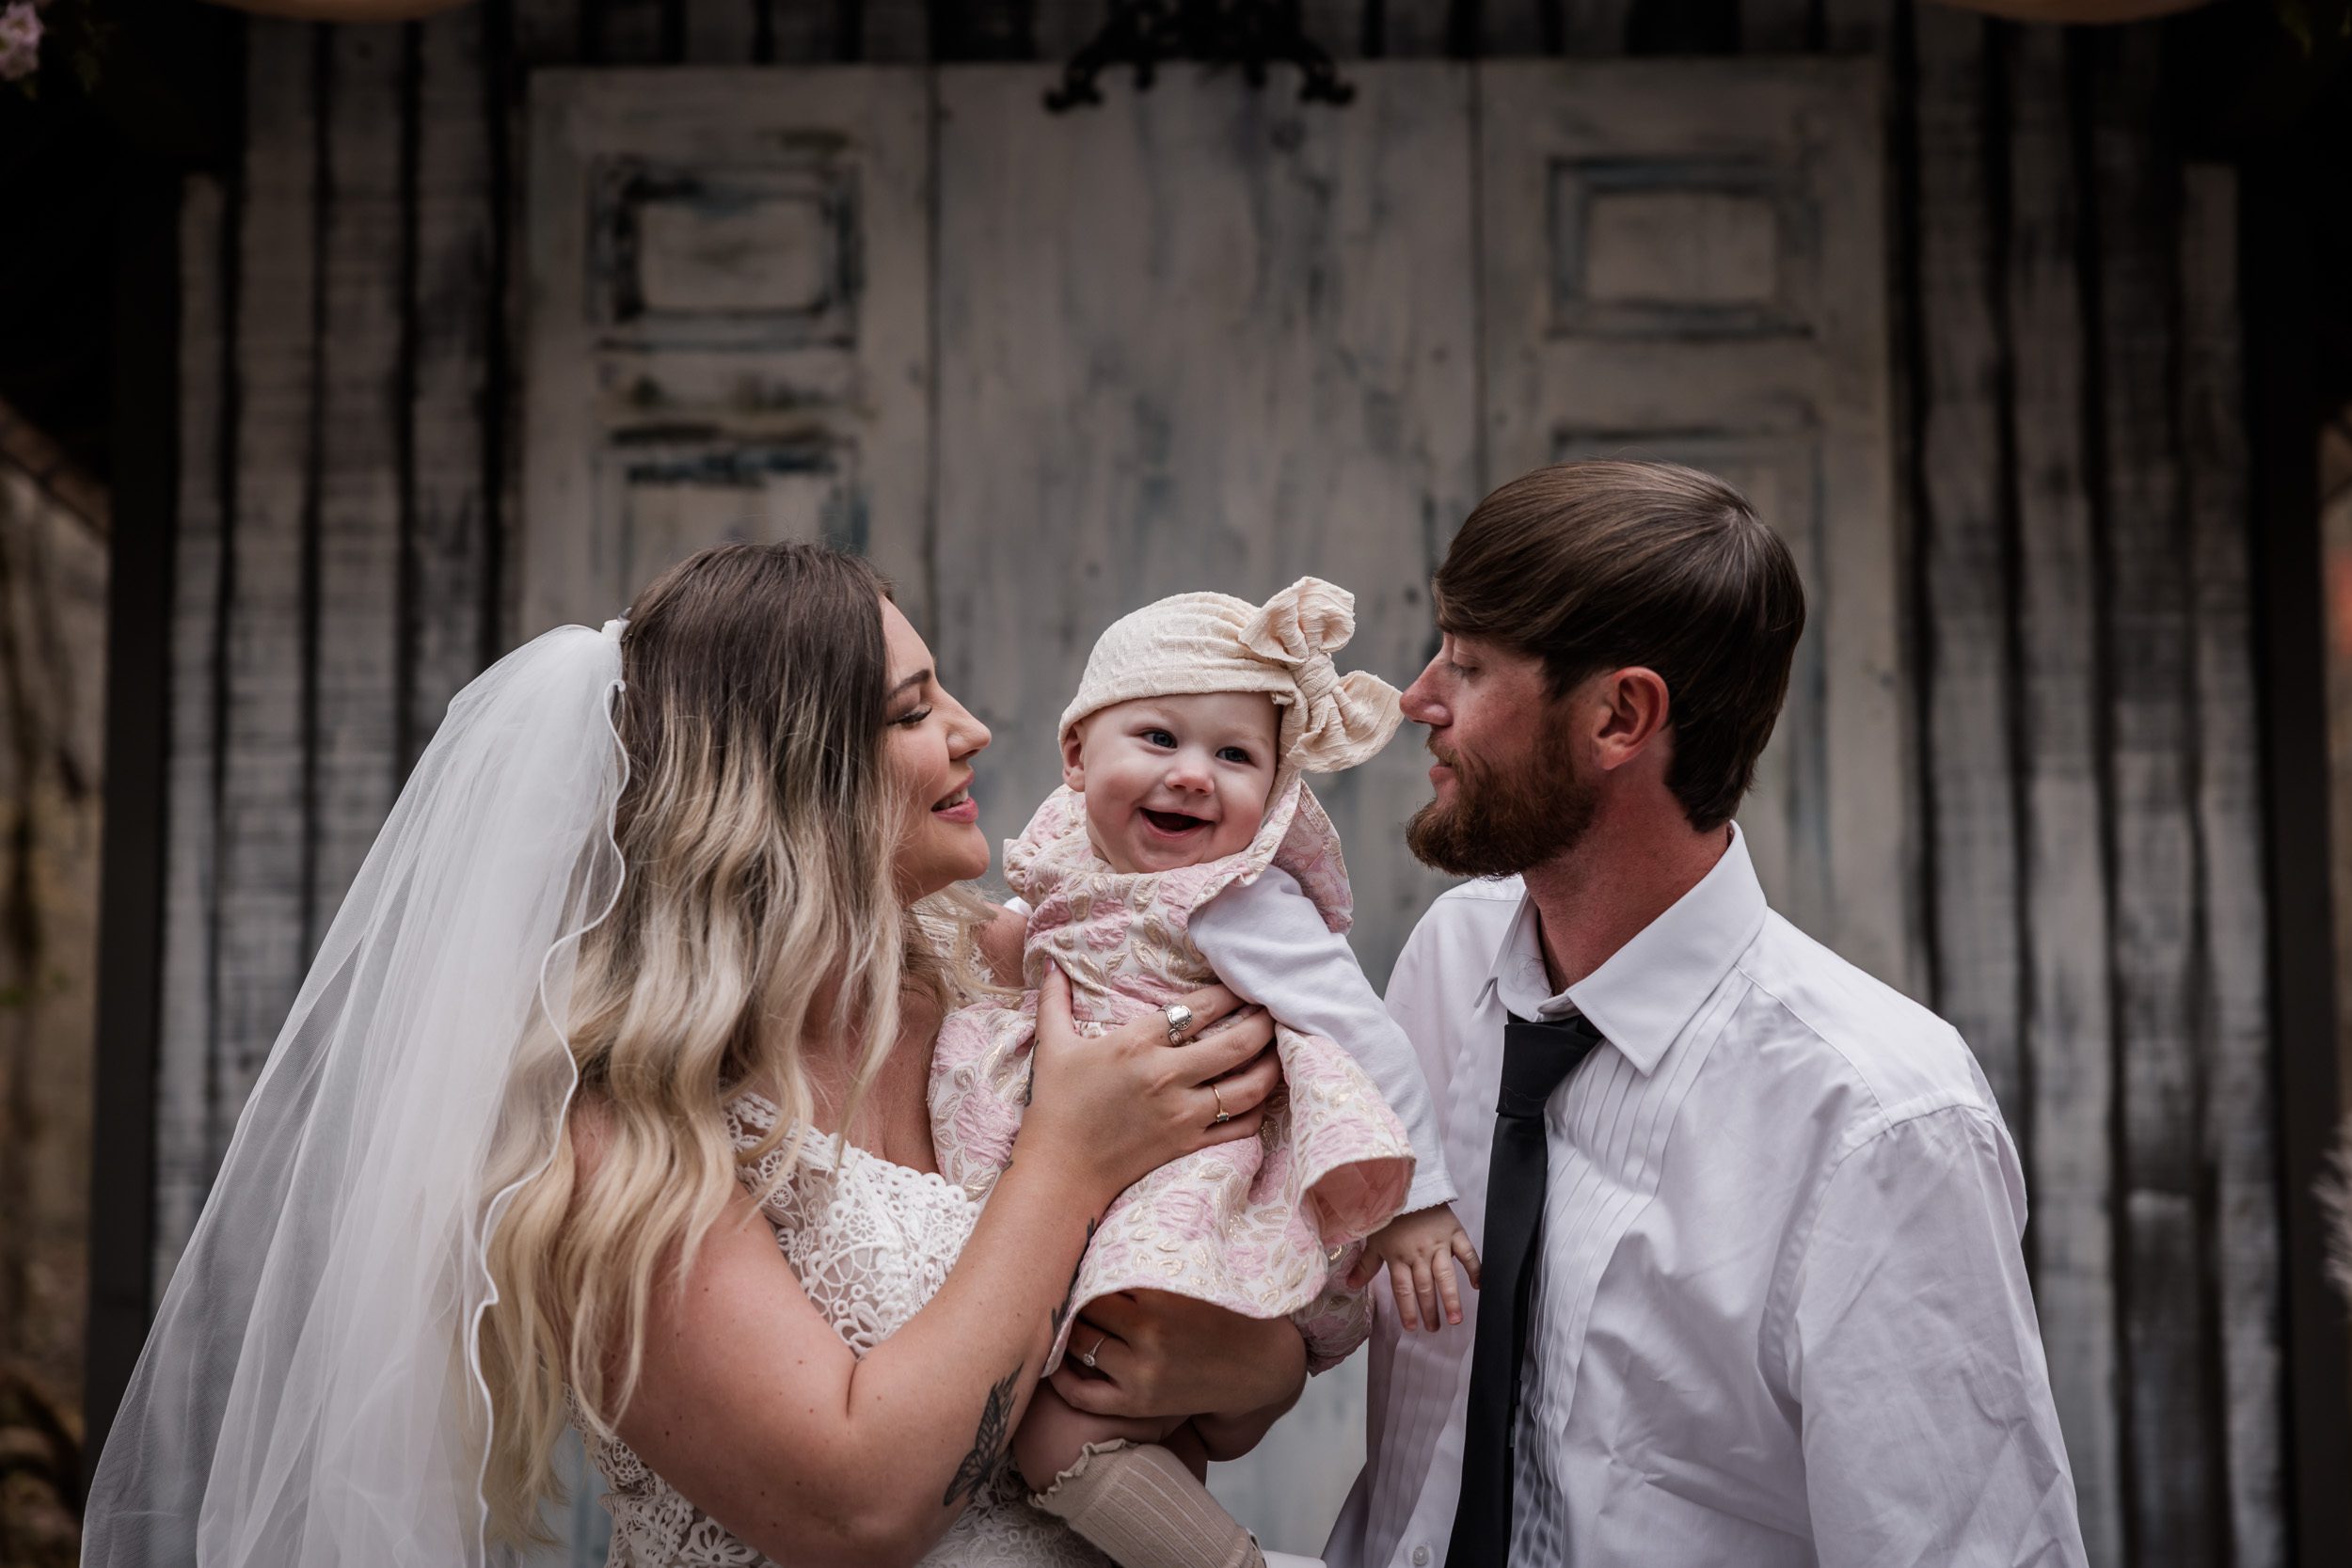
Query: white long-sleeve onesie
x,y
1269,945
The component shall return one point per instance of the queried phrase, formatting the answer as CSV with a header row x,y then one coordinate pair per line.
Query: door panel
x,y
729,325
1668,253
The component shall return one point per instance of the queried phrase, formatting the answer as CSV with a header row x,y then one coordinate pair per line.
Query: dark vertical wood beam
x,y
2175,1493
1964,544
145,424
502,122
2284,296
408,630
313,520
2062,877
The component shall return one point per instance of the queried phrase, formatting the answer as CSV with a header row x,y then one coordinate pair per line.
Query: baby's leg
x,y
1051,1435
1132,1488
1186,1444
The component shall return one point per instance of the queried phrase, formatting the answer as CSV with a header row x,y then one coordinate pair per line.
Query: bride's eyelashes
x,y
912,717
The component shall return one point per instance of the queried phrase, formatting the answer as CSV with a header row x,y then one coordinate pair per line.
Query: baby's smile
x,y
1174,780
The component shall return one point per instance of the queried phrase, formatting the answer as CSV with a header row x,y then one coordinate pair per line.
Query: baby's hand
x,y
1420,1249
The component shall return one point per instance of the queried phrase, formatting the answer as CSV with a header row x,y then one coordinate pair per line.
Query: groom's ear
x,y
1074,767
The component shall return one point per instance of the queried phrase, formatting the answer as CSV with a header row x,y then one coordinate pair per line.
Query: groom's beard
x,y
1501,825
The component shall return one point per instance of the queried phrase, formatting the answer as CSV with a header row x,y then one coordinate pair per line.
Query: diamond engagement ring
x,y
1222,1113
1085,1358
1179,1020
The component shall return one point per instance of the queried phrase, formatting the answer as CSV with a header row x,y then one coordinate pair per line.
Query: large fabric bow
x,y
1342,719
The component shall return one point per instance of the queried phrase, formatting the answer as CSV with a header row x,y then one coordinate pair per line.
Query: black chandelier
x,y
1252,34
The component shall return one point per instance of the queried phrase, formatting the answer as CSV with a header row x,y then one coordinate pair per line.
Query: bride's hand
x,y
1131,1100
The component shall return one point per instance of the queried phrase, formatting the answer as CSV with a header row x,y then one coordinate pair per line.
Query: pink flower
x,y
19,41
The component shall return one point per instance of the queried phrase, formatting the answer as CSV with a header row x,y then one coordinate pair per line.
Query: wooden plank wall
x,y
2072,470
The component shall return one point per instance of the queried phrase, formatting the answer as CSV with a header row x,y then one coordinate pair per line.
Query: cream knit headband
x,y
1195,642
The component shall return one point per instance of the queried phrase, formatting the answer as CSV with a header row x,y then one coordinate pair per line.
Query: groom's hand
x,y
1164,1356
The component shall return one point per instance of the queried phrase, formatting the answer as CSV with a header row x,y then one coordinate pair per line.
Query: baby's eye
x,y
1235,755
1160,737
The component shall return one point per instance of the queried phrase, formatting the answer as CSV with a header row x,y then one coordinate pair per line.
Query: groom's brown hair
x,y
1604,565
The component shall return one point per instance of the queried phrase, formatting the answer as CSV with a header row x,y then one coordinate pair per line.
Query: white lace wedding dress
x,y
871,1242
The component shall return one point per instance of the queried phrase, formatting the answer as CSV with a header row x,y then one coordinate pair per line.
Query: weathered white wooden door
x,y
729,325
1684,260
1049,368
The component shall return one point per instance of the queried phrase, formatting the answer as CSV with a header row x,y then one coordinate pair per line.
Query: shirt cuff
x,y
1429,1189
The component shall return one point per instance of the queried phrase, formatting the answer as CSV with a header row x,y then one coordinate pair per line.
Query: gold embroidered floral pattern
x,y
1255,1226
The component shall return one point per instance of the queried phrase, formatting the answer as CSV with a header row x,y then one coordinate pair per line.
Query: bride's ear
x,y
1074,767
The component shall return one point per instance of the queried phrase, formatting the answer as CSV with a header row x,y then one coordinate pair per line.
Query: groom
x,y
1753,1290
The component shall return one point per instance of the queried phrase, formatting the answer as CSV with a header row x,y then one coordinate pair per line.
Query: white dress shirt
x,y
1267,942
1780,1311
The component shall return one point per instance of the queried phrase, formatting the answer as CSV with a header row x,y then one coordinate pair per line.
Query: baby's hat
x,y
1195,642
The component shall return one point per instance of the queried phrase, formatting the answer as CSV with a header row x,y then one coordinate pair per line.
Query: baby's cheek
x,y
1234,835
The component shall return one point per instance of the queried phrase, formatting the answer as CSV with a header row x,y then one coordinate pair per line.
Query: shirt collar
x,y
1650,988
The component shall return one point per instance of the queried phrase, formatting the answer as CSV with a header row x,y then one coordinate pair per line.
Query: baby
x,y
1186,847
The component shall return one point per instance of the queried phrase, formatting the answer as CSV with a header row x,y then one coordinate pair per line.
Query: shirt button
x,y
1420,1556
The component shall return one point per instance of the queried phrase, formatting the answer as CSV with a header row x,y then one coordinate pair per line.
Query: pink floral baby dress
x,y
1258,1226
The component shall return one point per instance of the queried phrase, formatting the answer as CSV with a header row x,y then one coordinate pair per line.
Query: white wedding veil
x,y
311,1393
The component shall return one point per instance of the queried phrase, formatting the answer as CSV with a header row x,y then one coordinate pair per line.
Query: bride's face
x,y
928,741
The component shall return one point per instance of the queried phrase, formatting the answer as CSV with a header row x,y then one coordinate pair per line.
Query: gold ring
x,y
1222,1113
1179,1020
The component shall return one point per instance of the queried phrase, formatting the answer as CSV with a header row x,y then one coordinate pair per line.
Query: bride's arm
x,y
750,1406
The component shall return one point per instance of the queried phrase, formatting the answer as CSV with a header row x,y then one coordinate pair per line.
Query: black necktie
x,y
1536,1059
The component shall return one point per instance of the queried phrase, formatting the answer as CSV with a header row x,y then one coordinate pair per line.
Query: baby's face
x,y
1173,781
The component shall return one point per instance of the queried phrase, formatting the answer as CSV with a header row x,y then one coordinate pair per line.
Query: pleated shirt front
x,y
1781,1313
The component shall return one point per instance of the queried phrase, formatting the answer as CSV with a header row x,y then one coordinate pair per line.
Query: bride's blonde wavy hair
x,y
758,907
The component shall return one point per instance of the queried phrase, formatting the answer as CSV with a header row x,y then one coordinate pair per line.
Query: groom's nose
x,y
1421,702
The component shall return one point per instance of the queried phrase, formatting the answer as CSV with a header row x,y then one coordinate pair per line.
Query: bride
x,y
603,1103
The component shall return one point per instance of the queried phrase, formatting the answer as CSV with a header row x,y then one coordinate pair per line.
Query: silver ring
x,y
1085,1358
1222,1113
1179,1020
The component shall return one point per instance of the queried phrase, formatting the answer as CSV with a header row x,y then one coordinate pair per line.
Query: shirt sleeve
x,y
1929,1431
1268,942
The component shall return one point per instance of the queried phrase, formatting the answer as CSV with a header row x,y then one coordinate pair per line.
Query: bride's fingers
x,y
1096,1395
1053,1001
1224,1048
1211,1006
1234,1128
1246,1088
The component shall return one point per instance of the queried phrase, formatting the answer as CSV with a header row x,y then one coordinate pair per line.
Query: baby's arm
x,y
1268,944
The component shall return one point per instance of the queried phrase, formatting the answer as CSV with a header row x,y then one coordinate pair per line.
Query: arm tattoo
x,y
988,1443
1063,1310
